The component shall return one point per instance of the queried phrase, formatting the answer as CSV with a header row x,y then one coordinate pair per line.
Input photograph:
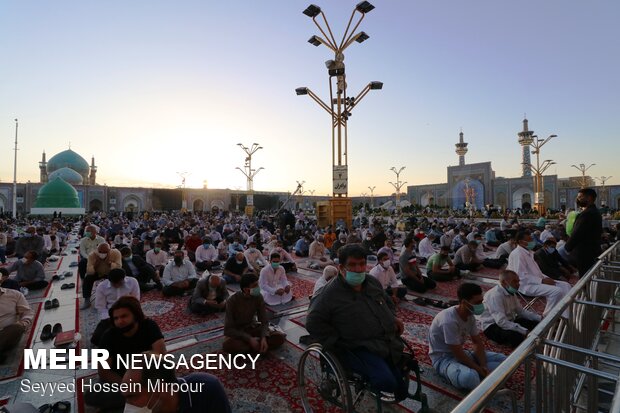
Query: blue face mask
x,y
477,309
255,292
531,245
550,250
511,290
205,244
275,265
355,278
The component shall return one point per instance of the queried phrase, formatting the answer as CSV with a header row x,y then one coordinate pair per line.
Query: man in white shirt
x,y
157,258
88,245
546,234
532,280
15,317
179,275
206,255
384,273
426,249
464,369
107,293
286,260
254,257
274,286
504,320
318,254
329,273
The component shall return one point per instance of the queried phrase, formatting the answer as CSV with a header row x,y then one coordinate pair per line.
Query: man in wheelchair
x,y
355,318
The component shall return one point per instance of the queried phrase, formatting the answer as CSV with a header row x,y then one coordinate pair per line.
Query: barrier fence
x,y
566,367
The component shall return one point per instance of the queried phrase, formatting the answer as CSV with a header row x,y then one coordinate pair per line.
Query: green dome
x,y
57,194
68,159
68,175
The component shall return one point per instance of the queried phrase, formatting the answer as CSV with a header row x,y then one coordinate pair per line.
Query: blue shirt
x,y
210,397
301,245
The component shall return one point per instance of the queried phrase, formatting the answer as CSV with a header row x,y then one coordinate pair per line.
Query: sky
x,y
156,88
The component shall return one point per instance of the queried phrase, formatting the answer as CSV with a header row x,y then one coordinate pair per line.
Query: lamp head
x,y
376,85
364,7
301,91
362,37
314,40
313,10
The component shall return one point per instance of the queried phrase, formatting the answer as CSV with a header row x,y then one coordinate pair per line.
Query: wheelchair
x,y
320,376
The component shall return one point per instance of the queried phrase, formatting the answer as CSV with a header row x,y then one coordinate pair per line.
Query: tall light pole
x,y
15,174
372,196
539,169
583,168
603,179
301,191
250,173
398,185
340,105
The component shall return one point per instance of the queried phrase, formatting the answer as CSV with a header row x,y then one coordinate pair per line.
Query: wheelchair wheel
x,y
321,379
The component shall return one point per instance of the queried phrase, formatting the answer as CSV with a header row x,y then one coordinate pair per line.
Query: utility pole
x,y
372,196
15,174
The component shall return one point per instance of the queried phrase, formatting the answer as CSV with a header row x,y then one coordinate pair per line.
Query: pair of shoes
x,y
68,274
86,304
73,264
58,407
49,333
58,277
49,304
67,286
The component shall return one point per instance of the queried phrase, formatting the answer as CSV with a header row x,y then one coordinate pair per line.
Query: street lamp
x,y
340,105
398,185
583,168
372,194
603,179
15,174
539,169
249,172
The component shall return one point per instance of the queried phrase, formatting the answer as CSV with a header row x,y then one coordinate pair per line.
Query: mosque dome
x,y
57,194
68,159
68,175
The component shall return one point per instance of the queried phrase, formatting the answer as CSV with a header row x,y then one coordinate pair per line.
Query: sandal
x,y
46,333
68,274
48,305
67,286
61,407
420,301
55,303
57,329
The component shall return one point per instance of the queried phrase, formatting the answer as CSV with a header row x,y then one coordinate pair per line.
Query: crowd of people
x,y
352,308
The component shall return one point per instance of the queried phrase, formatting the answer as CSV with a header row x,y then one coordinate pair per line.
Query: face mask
x,y
355,278
127,258
511,290
478,242
255,292
477,309
531,245
102,255
156,249
239,262
87,234
25,260
275,265
206,244
550,250
29,235
385,264
130,408
126,329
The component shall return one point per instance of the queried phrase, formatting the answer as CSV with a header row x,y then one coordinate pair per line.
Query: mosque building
x,y
476,184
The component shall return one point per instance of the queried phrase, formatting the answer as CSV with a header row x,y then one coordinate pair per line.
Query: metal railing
x,y
565,371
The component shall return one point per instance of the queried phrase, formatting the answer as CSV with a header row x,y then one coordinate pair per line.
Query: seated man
x,y
136,267
439,266
206,256
211,396
235,247
387,248
30,272
209,296
464,369
254,257
15,317
505,248
459,240
222,250
235,267
532,280
107,293
100,262
466,257
274,285
302,246
131,333
157,258
246,326
318,253
426,249
551,262
354,317
504,320
287,260
490,237
329,273
6,281
384,273
179,275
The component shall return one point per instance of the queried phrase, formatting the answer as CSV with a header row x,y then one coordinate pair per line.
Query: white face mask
x,y
102,255
130,408
385,264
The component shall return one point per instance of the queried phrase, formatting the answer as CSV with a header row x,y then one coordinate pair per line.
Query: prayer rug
x,y
171,314
14,363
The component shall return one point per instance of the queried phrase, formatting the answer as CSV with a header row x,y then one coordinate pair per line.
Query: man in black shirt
x,y
235,267
132,333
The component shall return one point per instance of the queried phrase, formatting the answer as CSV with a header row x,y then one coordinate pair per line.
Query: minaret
x,y
93,172
43,169
525,140
461,149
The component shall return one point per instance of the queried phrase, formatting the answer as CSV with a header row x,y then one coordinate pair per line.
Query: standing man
x,y
88,245
584,244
